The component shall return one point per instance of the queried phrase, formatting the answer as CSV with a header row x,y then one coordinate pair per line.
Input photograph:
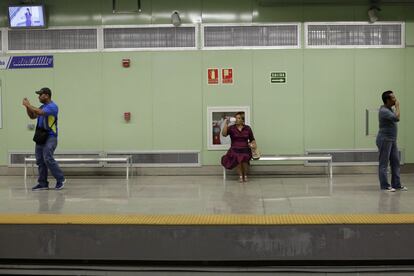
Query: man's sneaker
x,y
60,185
402,188
40,187
389,189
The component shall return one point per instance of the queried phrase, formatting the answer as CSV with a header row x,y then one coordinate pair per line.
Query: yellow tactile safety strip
x,y
207,219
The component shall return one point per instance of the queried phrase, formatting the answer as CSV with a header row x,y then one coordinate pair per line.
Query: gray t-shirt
x,y
387,122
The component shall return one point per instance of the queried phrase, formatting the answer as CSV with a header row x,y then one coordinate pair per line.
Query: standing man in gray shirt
x,y
387,143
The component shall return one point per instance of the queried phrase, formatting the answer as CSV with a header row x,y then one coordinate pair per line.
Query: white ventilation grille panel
x,y
52,39
352,156
16,159
150,37
160,159
362,35
254,36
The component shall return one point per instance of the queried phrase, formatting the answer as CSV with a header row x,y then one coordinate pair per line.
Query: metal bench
x,y
77,160
327,158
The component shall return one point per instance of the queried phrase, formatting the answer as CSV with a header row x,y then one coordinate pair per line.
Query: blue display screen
x,y
27,17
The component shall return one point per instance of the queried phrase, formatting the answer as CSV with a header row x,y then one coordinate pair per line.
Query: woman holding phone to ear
x,y
242,140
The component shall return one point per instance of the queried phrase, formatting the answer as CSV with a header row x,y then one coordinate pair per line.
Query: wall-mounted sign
x,y
227,76
212,76
26,62
278,77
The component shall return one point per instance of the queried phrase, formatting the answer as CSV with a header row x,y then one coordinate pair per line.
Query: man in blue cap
x,y
47,122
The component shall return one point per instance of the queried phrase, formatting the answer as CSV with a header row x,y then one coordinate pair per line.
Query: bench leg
x,y
25,175
330,169
33,170
127,170
330,178
25,172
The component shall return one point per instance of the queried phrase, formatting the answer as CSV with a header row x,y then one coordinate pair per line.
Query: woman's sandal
x,y
241,179
245,178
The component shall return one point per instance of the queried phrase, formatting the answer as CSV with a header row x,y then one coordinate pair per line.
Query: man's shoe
x,y
60,185
402,188
389,189
40,187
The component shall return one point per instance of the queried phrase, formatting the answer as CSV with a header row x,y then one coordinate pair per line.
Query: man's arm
x,y
32,112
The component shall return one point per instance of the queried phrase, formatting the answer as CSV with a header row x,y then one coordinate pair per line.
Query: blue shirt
x,y
50,119
387,122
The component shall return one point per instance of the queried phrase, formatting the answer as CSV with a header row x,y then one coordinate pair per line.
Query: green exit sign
x,y
278,77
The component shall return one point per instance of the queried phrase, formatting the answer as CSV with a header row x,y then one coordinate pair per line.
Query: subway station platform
x,y
271,223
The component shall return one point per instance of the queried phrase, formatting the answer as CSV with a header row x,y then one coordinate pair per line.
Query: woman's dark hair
x,y
386,96
241,113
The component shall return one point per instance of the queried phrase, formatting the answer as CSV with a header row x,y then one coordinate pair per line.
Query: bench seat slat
x,y
103,159
327,158
71,160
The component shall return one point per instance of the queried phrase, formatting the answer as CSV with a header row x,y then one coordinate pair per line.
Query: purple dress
x,y
239,151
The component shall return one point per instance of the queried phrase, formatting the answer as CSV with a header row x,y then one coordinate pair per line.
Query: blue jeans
x,y
388,153
45,161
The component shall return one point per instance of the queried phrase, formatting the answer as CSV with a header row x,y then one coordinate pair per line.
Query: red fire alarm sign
x,y
127,116
126,62
227,75
212,76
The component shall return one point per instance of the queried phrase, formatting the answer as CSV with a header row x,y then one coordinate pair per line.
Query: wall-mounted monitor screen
x,y
27,16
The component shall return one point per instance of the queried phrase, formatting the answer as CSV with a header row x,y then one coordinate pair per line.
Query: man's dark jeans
x,y
388,153
45,161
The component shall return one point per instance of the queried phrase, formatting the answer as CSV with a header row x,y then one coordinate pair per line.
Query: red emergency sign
x,y
212,76
227,75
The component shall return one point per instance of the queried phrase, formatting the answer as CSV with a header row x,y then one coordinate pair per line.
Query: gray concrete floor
x,y
347,194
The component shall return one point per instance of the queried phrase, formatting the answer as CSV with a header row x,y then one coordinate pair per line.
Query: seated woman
x,y
242,140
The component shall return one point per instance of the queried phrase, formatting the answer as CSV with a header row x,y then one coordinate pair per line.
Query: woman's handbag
x,y
256,154
255,151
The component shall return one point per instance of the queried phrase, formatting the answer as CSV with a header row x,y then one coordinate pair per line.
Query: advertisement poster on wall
x,y
26,62
216,116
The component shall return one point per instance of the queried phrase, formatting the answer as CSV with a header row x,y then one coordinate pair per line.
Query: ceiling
x,y
335,2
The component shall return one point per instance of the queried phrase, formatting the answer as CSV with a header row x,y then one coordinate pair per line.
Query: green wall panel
x,y
127,90
189,10
3,130
329,99
322,105
78,93
177,100
278,108
74,12
123,17
376,71
409,13
240,93
328,13
229,11
392,13
408,112
3,14
409,33
277,13
21,83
